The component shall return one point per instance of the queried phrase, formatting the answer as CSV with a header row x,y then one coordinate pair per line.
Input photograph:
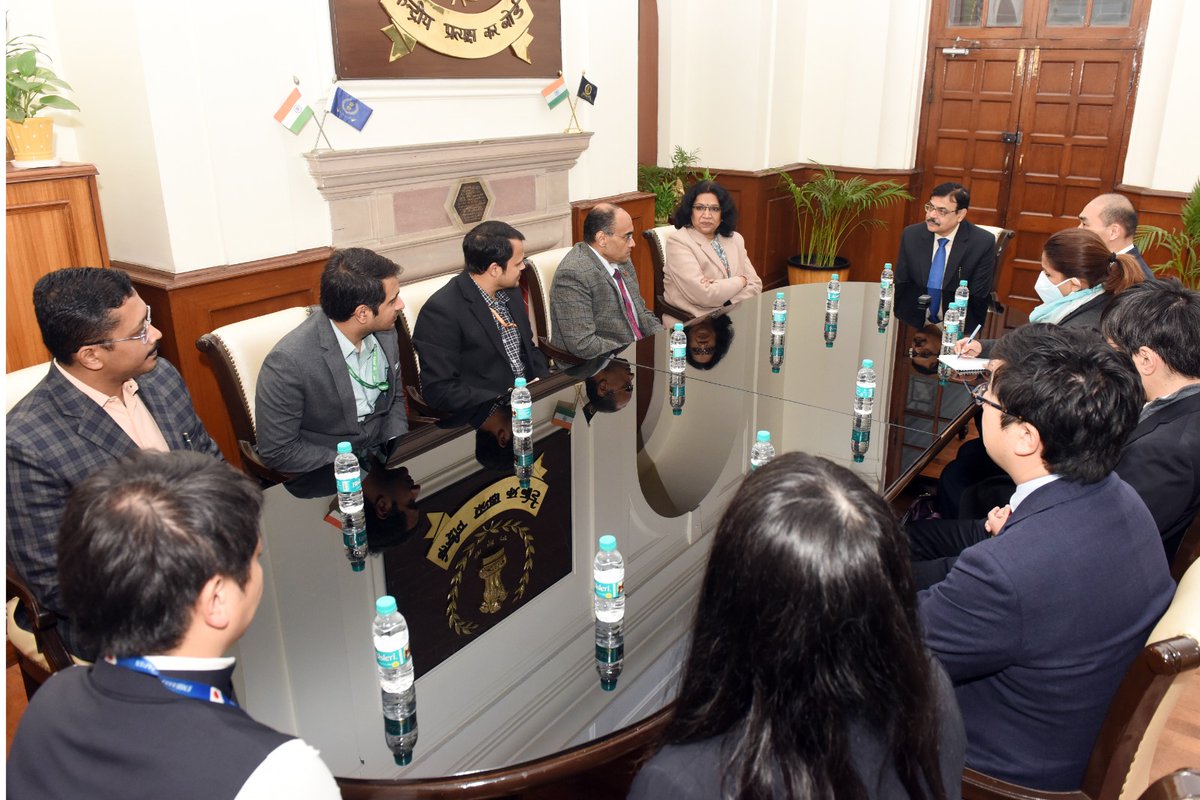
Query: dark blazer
x,y
1149,273
972,258
587,317
1086,316
57,437
1036,626
304,404
695,770
463,363
1161,460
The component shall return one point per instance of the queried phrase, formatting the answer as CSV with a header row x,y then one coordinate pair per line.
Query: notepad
x,y
964,365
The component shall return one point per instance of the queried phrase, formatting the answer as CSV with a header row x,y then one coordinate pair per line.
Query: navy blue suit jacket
x,y
972,259
1037,626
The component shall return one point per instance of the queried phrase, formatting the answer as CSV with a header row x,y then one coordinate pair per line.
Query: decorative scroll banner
x,y
456,34
450,531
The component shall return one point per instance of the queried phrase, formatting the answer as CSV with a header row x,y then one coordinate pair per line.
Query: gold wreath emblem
x,y
465,627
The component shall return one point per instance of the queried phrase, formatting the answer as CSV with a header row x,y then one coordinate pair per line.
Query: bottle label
x,y
610,591
399,727
779,316
831,327
677,391
610,655
523,459
522,413
834,297
777,352
679,352
860,436
392,659
350,485
864,390
354,538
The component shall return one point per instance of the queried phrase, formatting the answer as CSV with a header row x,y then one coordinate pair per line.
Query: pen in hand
x,y
974,333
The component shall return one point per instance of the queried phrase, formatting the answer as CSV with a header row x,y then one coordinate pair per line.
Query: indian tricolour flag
x,y
294,114
555,93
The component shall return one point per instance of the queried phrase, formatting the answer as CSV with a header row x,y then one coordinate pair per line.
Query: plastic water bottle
x,y
949,337
884,317
778,329
354,538
608,574
348,476
522,432
678,359
889,277
864,409
393,660
762,450
833,298
677,397
962,294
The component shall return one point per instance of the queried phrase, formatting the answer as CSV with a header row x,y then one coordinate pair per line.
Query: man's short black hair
x,y
956,191
354,277
489,243
1082,396
1162,315
606,403
601,218
141,538
77,306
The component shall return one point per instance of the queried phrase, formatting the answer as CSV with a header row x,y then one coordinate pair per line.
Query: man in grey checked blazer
x,y
98,330
588,310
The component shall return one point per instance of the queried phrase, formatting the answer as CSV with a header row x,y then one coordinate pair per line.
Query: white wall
x,y
1166,117
177,103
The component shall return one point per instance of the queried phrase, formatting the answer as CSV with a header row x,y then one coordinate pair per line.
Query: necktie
x,y
628,304
937,271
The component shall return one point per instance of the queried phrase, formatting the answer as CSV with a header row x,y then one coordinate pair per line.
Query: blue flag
x,y
350,110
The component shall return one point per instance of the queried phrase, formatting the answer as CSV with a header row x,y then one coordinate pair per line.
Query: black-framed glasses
x,y
930,208
143,337
700,208
977,396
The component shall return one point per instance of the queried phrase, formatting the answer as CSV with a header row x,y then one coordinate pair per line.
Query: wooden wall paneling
x,y
639,206
647,119
53,221
1156,208
188,305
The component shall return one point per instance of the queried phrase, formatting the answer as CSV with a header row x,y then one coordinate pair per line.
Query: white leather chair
x,y
656,239
236,352
21,382
545,264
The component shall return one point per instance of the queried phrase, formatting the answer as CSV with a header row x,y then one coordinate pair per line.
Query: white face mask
x,y
1046,290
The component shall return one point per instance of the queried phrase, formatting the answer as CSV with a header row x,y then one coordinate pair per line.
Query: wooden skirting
x,y
190,304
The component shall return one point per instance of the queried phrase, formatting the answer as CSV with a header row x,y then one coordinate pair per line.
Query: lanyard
x,y
192,689
381,385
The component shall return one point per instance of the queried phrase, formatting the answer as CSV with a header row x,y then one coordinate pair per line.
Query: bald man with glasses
x,y
106,393
938,253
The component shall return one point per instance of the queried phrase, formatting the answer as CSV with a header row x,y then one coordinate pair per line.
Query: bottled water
x,y
779,314
776,352
949,337
393,660
354,537
888,277
522,432
864,408
349,479
608,573
962,294
833,298
678,359
677,398
885,305
762,450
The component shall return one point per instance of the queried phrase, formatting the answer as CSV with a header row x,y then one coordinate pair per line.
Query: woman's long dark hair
x,y
1080,253
682,218
806,621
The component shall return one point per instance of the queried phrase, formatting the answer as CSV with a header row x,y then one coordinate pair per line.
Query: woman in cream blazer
x,y
696,278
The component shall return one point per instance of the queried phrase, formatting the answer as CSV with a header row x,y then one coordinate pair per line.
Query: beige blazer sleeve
x,y
694,277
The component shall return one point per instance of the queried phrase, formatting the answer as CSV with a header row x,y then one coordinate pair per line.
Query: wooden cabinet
x,y
52,221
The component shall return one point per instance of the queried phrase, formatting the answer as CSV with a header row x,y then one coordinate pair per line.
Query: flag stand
x,y
574,126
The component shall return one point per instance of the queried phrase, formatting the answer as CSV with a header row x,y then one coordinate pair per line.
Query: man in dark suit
x,y
106,394
1037,625
473,335
336,377
595,305
1113,218
938,253
1157,324
159,560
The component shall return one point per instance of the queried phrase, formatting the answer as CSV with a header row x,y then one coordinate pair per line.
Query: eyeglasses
x,y
930,208
700,208
627,236
143,337
977,395
703,351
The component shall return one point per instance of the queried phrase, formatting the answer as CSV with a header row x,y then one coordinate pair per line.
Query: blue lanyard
x,y
196,691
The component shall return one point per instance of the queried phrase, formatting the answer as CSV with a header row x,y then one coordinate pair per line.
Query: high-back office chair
x,y
994,322
1119,766
236,353
545,264
656,238
21,382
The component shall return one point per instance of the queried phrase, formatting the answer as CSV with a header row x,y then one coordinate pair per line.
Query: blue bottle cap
x,y
358,566
868,363
519,383
779,295
344,447
678,326
608,684
385,605
402,759
764,436
608,543
833,277
962,283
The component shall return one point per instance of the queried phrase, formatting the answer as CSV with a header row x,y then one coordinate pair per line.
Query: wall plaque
x,y
471,202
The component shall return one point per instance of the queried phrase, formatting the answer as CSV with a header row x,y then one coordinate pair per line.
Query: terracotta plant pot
x,y
31,140
801,271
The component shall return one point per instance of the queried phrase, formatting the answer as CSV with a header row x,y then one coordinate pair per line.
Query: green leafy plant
x,y
668,184
1183,245
829,209
29,88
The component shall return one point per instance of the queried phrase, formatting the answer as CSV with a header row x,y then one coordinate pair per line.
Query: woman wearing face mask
x,y
1079,277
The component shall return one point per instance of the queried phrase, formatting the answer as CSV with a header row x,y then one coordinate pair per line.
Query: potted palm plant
x,y
29,89
828,210
1183,245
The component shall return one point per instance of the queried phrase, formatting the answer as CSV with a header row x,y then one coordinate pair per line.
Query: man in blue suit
x,y
1037,625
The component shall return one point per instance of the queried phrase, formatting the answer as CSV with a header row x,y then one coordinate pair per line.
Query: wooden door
x,y
1072,121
